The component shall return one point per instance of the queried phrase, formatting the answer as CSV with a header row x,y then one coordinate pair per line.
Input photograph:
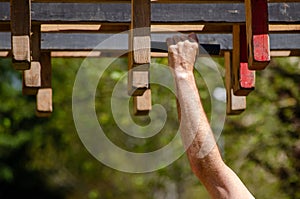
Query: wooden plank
x,y
163,28
139,56
61,13
142,104
69,27
4,54
152,1
177,28
88,42
82,28
291,28
243,79
44,94
20,33
258,41
76,54
32,77
234,104
282,53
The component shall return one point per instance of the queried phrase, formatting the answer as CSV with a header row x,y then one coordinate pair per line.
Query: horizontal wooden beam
x,y
164,28
284,28
119,13
152,1
88,42
97,54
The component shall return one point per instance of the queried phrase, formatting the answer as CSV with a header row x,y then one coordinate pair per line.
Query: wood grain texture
x,y
139,55
142,104
88,42
234,104
152,1
32,77
44,94
120,14
44,102
257,26
243,79
46,71
20,52
20,33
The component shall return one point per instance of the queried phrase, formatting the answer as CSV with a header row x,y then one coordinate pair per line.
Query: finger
x,y
176,39
170,41
193,38
184,37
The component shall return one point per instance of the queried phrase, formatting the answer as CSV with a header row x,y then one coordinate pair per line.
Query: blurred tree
x,y
263,143
44,157
18,125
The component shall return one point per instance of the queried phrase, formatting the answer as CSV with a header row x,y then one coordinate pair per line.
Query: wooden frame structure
x,y
33,31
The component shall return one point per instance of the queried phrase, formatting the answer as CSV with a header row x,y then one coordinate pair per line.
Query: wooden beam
x,y
243,79
82,28
60,42
142,105
282,53
4,54
120,14
69,27
258,41
163,28
152,1
139,56
284,28
32,76
234,104
76,54
20,33
177,28
44,94
88,42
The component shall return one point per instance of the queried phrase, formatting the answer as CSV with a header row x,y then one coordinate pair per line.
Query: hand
x,y
183,51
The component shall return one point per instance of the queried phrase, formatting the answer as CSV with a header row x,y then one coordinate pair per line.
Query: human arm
x,y
198,139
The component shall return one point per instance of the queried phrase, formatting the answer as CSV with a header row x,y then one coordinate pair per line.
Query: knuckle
x,y
172,48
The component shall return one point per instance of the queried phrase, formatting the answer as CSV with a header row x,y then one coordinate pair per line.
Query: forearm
x,y
195,130
197,136
202,150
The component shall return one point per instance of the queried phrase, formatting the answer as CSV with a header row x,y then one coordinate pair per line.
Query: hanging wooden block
x,y
257,33
20,33
243,79
139,55
142,104
234,104
32,77
44,102
44,94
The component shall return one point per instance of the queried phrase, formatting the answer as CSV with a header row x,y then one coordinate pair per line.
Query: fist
x,y
183,51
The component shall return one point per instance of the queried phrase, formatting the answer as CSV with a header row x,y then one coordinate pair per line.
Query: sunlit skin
x,y
197,136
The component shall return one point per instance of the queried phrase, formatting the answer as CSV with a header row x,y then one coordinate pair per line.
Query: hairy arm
x,y
202,150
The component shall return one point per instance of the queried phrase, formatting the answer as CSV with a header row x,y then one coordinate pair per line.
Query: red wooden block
x,y
243,78
257,33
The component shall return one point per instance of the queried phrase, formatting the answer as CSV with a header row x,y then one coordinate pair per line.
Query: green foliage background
x,y
44,157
